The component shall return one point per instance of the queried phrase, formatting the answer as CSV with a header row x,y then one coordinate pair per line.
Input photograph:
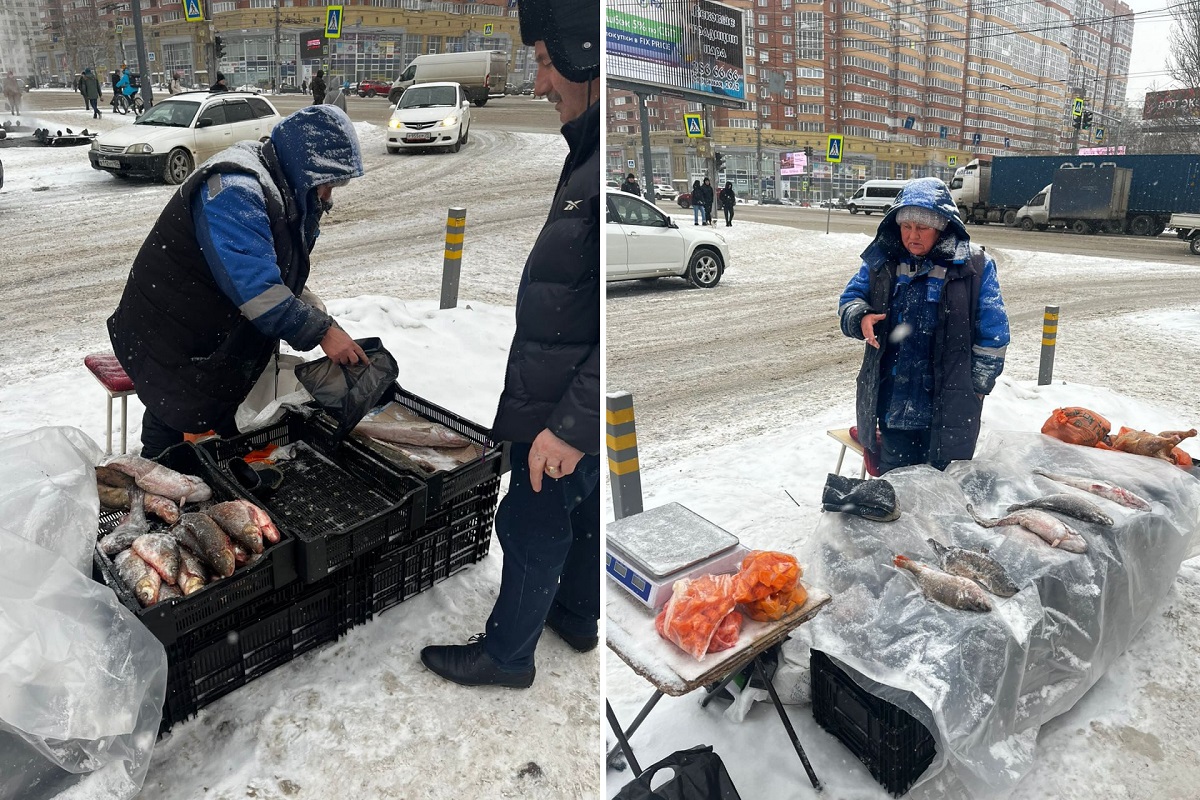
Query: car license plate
x,y
108,162
419,137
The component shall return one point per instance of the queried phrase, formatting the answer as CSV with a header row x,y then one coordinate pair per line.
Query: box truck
x,y
1083,199
1159,186
480,72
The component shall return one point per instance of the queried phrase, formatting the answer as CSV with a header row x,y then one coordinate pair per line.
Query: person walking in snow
x,y
728,202
709,198
699,213
12,93
220,279
89,86
927,303
549,522
317,87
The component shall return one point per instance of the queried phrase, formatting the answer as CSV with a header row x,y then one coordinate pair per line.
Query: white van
x,y
479,72
874,196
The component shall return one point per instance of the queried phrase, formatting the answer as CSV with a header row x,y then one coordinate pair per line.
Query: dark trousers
x,y
157,435
551,542
905,448
728,216
95,109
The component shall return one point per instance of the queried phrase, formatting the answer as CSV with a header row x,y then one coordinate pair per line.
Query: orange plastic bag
x,y
776,606
727,633
696,609
763,573
1075,425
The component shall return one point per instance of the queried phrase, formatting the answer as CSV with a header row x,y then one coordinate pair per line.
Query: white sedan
x,y
430,115
643,242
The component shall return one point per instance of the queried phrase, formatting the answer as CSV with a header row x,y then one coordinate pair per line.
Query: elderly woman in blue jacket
x,y
927,302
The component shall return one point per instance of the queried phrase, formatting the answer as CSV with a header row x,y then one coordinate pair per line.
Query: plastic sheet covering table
x,y
631,635
984,683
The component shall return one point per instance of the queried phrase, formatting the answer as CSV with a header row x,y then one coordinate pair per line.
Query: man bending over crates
x,y
549,522
220,279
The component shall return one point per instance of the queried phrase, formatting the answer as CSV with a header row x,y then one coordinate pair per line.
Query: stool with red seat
x,y
108,371
848,439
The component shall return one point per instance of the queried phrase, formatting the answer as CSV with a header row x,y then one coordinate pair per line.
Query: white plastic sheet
x,y
984,683
82,681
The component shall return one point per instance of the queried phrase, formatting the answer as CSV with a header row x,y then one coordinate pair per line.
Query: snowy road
x,y
764,349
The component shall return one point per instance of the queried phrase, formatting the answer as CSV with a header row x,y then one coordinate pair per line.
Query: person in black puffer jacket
x,y
549,522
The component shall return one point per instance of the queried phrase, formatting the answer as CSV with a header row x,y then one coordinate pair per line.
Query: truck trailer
x,y
1159,186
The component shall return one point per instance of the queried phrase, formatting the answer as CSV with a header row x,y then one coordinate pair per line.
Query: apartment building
x,y
265,41
18,25
903,79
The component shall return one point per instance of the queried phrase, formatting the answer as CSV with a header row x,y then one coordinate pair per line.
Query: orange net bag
x,y
1077,425
696,609
763,573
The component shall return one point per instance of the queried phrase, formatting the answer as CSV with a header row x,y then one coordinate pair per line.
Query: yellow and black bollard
x,y
1049,337
624,478
456,225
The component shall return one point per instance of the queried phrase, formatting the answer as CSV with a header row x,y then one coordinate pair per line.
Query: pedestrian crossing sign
x,y
952,161
333,22
1077,107
833,151
1099,134
192,11
693,125
488,28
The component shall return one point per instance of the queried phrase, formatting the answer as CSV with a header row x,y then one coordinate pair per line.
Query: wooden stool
x,y
108,371
842,436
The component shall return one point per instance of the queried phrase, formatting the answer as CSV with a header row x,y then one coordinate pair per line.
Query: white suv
x,y
643,242
170,139
430,115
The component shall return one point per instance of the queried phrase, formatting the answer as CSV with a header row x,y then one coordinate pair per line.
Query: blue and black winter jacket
x,y
945,335
216,285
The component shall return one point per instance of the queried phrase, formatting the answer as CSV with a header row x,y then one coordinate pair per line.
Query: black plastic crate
x,y
254,641
895,747
444,485
388,581
336,501
170,619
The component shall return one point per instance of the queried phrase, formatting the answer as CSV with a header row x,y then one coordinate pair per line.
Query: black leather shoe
x,y
470,665
580,644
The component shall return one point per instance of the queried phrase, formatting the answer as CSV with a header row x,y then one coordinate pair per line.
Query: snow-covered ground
x,y
1133,734
360,717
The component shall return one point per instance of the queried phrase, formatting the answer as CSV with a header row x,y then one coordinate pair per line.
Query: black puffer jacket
x,y
553,375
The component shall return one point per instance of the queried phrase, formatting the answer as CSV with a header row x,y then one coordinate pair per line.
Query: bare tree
x,y
1183,60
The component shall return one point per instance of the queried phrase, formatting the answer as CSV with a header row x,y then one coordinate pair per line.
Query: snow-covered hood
x,y
157,136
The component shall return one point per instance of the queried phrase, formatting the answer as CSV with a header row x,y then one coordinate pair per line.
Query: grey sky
x,y
1150,48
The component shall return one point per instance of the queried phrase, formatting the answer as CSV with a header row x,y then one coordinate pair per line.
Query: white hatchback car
x,y
430,115
643,242
664,192
179,132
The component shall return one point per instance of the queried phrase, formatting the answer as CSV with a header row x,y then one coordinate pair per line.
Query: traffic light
x,y
1077,123
719,160
1086,120
808,151
218,47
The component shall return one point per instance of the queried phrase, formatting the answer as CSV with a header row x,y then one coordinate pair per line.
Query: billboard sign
x,y
793,164
1119,150
312,43
1175,103
694,47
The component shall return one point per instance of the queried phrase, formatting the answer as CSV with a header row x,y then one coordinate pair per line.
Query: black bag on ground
x,y
873,499
699,775
348,392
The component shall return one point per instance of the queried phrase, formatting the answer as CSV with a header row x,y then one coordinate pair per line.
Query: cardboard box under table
x,y
631,635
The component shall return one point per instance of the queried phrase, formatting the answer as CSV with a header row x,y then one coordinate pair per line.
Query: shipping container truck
x,y
1160,185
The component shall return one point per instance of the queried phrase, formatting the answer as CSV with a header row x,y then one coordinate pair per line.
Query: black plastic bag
x,y
699,775
348,392
870,499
